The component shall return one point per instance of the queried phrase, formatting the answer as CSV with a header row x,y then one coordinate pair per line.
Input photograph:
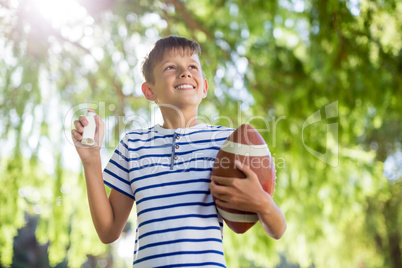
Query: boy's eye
x,y
193,67
170,67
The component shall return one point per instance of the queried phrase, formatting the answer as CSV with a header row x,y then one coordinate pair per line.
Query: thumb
x,y
99,123
100,130
246,170
97,119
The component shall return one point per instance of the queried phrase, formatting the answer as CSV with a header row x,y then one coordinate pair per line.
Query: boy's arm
x,y
109,214
247,195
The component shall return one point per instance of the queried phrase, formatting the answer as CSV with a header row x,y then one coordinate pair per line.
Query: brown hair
x,y
161,47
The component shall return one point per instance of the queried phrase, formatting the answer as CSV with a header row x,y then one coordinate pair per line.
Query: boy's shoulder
x,y
140,131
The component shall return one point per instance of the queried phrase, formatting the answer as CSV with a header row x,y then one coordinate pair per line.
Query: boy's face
x,y
178,81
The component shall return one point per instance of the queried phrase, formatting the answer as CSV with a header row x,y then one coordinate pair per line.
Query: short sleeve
x,y
116,172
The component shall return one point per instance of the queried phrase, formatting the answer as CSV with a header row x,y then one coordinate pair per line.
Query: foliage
x,y
271,63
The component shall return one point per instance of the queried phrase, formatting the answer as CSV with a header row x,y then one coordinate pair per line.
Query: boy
x,y
166,171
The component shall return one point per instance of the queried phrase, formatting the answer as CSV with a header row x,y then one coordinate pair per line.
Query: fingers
x,y
98,121
82,122
222,180
79,125
223,195
76,135
246,170
223,203
219,191
219,196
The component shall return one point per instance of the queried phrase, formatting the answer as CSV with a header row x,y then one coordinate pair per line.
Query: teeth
x,y
184,87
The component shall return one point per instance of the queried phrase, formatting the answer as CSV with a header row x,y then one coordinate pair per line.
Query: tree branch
x,y
189,18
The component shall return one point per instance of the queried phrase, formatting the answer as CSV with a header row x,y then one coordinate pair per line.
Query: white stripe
x,y
244,149
251,218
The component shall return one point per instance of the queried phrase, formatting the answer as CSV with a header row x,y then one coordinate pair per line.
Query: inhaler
x,y
88,137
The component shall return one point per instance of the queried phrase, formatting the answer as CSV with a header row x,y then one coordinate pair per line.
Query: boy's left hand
x,y
244,194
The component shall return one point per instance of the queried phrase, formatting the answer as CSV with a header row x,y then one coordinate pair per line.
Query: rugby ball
x,y
246,145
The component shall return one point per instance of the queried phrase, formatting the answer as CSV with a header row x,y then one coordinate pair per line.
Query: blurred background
x,y
320,79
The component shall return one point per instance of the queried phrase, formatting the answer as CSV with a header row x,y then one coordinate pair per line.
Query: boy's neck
x,y
184,120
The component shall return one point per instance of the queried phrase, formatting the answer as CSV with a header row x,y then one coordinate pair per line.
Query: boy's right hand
x,y
84,151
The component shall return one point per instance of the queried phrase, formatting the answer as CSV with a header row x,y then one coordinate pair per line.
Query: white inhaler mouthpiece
x,y
88,137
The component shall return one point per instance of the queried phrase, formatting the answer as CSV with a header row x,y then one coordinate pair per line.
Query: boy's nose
x,y
185,73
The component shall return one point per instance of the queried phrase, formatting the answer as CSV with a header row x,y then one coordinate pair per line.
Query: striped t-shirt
x,y
166,172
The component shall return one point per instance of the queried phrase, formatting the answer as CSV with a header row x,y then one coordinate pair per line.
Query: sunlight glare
x,y
60,12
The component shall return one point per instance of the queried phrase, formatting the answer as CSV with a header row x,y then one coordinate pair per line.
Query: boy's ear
x,y
148,92
205,88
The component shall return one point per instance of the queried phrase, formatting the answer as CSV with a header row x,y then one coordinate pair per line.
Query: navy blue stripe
x,y
175,206
149,147
176,164
148,156
201,141
122,155
169,172
171,195
117,177
169,184
150,139
148,166
141,157
196,159
125,145
178,241
118,165
192,265
197,150
117,189
204,130
141,133
178,253
177,217
178,229
164,155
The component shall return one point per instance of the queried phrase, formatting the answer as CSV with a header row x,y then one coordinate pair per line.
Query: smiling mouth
x,y
183,87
